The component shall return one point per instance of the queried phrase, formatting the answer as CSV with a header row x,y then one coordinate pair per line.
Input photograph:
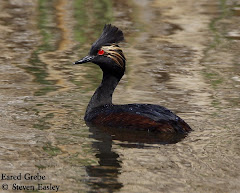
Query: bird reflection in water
x,y
104,176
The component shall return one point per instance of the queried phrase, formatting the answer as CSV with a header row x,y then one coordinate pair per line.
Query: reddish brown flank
x,y
139,122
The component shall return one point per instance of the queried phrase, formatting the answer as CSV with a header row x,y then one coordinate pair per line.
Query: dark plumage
x,y
110,35
138,116
100,111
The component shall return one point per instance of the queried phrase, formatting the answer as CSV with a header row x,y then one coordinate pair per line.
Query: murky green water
x,y
180,54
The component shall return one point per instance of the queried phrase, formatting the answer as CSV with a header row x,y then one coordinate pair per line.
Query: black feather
x,y
156,113
110,35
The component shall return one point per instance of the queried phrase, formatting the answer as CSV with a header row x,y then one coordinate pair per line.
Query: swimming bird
x,y
108,55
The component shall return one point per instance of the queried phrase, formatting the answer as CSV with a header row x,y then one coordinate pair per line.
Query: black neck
x,y
103,94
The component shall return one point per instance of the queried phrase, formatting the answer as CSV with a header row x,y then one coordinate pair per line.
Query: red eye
x,y
100,52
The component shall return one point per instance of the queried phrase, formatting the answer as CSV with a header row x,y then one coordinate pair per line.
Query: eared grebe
x,y
101,112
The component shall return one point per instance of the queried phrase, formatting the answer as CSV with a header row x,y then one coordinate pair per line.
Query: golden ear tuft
x,y
114,52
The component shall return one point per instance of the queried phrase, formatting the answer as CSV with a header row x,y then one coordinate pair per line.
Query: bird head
x,y
106,53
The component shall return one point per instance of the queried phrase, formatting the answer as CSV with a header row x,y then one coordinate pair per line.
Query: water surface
x,y
180,54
